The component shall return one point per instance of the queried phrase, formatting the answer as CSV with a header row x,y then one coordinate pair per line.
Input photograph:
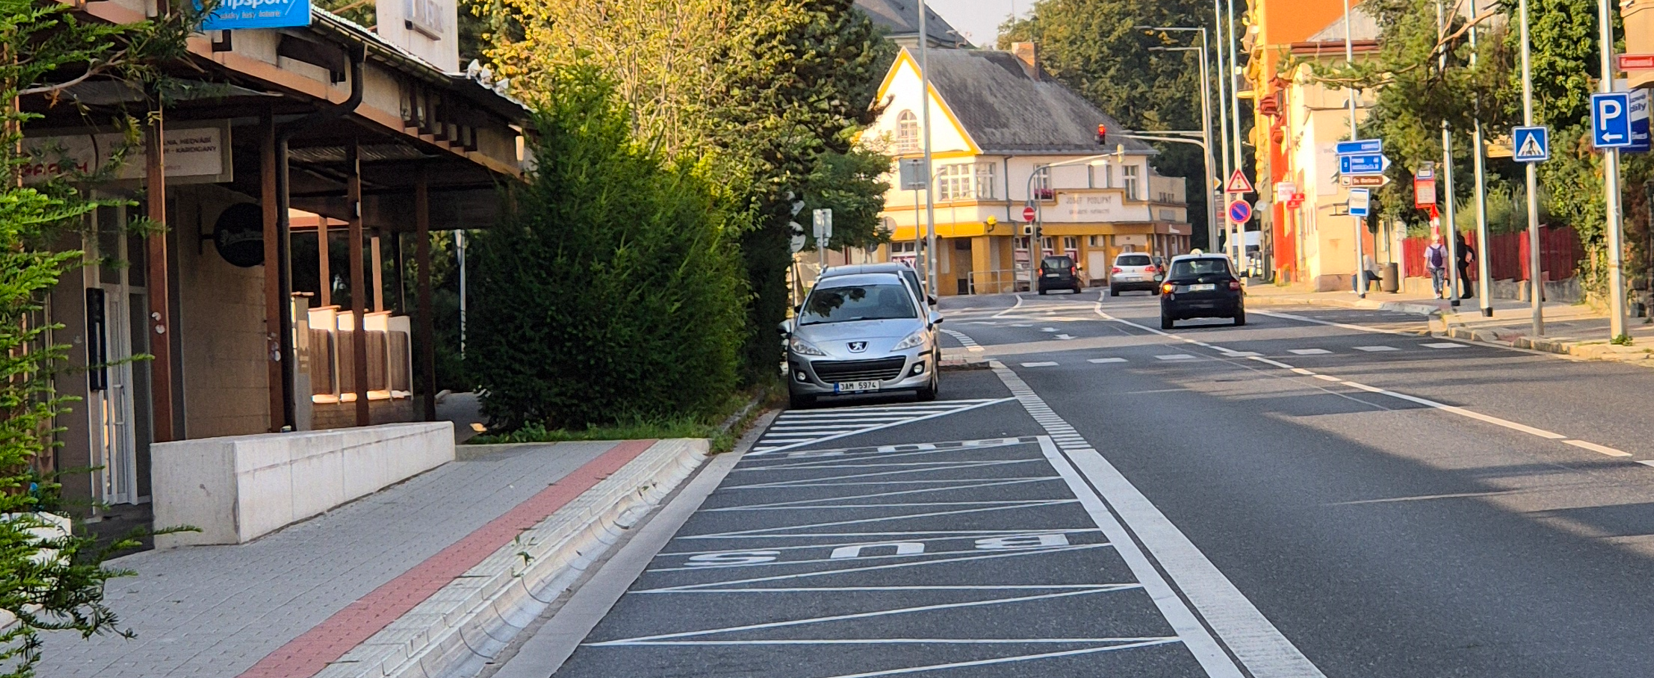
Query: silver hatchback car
x,y
861,333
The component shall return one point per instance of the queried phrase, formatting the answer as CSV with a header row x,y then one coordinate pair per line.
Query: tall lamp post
x,y
930,199
1224,104
1205,125
1356,223
1536,286
1611,185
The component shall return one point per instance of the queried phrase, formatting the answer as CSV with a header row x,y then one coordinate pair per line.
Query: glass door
x,y
119,386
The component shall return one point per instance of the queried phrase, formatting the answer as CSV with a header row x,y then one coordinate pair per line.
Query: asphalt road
x,y
1320,492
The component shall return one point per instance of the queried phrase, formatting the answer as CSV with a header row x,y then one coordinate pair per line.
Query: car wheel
x,y
927,393
1240,317
1113,291
1165,322
1042,291
800,401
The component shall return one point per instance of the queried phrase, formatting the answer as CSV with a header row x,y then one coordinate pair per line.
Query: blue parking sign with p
x,y
1611,120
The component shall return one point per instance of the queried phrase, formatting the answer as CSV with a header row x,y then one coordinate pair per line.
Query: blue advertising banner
x,y
243,14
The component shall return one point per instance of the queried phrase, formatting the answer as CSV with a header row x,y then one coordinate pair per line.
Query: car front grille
x,y
883,369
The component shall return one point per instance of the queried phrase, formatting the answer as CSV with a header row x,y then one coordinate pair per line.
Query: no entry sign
x,y
1028,214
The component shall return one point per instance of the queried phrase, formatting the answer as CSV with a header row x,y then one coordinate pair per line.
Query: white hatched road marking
x,y
1176,356
1045,363
1309,351
1376,349
1106,360
964,339
796,428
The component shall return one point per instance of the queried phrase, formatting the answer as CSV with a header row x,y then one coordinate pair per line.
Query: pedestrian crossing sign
x,y
1532,144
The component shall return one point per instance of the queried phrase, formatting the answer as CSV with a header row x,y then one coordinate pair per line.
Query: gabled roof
x,y
1007,112
901,18
1363,26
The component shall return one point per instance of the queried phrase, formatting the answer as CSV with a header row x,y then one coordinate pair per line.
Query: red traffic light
x,y
1102,135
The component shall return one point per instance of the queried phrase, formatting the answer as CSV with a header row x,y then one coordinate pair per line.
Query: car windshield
x,y
1133,260
1057,262
1198,268
857,302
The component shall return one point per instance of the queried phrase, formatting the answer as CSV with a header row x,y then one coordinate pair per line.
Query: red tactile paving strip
x,y
311,652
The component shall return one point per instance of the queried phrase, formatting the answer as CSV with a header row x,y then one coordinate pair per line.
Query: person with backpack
x,y
1435,259
1467,257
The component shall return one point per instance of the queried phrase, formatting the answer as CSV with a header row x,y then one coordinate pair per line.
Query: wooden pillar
x,y
160,301
426,330
378,264
358,282
401,269
324,273
273,306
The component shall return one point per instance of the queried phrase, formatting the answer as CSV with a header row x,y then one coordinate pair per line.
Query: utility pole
x,y
1213,212
1360,277
1234,113
1216,191
1482,268
930,196
1536,283
1611,186
1452,236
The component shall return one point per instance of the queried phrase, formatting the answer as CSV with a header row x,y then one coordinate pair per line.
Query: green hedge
x,y
615,289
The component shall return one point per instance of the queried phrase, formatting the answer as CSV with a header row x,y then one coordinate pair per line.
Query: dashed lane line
x,y
1451,409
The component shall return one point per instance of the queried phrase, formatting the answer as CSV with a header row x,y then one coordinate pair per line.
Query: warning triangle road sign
x,y
1237,184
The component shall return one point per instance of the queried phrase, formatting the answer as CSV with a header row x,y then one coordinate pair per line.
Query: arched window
x,y
907,132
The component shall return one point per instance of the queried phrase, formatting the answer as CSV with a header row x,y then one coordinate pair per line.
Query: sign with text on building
x,y
243,14
193,155
1098,206
1635,62
1284,191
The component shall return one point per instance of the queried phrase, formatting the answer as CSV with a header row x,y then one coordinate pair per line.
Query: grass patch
x,y
637,427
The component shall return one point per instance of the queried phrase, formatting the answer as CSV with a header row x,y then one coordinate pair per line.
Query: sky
x,y
979,20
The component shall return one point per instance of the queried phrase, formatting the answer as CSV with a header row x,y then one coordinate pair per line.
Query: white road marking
x,y
1347,326
873,568
1003,660
958,587
1602,449
836,558
906,516
1106,360
1645,462
1175,356
1047,329
1012,308
1040,364
1324,377
969,343
1376,349
1444,344
852,615
1309,351
1238,354
926,413
1064,337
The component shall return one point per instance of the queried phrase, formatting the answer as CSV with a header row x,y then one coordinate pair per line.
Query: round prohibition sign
x,y
1240,212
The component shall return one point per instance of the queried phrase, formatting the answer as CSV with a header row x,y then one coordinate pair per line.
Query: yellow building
x,y
1005,136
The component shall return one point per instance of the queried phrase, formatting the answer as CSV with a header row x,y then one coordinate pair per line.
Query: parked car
x,y
862,333
1135,271
1201,286
1058,273
910,276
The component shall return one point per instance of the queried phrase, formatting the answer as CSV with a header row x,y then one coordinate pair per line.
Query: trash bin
x,y
1392,279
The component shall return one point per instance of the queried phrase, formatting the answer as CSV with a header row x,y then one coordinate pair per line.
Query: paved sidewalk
x,y
1578,330
220,610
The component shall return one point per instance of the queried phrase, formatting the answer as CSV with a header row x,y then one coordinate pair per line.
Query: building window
x,y
1130,173
907,132
1021,243
966,181
1046,245
1071,245
985,181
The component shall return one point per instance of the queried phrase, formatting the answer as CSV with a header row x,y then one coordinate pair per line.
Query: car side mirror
x,y
935,318
783,329
931,299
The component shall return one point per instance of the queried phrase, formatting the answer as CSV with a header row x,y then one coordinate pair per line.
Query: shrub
x,y
614,289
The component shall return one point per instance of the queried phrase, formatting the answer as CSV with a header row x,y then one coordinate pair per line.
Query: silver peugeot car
x,y
861,333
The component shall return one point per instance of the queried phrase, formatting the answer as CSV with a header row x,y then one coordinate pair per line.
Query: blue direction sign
x,y
1240,212
1360,146
1531,144
1362,163
1360,202
1611,120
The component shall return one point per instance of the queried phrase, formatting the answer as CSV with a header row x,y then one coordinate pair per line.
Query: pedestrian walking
x,y
1467,257
1435,259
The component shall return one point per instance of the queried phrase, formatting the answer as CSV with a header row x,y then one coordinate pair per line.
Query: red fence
x,y
1559,254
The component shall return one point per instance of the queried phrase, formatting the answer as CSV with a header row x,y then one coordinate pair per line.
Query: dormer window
x,y
907,132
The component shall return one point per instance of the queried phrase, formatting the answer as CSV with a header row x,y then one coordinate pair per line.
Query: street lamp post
x,y
1536,286
1452,236
1355,221
1224,104
1234,124
1611,185
1205,127
1484,285
930,199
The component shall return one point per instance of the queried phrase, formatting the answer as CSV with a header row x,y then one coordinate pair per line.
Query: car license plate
x,y
1203,288
855,386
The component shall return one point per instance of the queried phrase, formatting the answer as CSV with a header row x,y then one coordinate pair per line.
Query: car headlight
x,y
912,340
802,347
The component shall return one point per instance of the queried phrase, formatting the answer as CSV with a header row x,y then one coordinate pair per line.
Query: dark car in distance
x,y
1058,273
1201,286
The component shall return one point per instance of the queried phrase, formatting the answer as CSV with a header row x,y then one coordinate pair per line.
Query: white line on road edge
x,y
1478,416
969,343
1243,629
1328,323
1008,310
